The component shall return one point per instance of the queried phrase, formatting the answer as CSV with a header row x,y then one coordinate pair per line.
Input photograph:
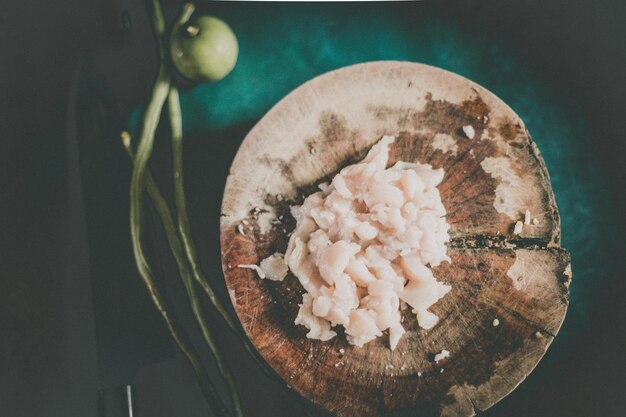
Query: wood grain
x,y
490,181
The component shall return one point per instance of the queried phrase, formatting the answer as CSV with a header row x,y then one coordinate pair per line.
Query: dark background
x,y
45,361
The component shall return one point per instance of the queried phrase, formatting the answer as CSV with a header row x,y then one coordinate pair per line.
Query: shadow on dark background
x,y
45,357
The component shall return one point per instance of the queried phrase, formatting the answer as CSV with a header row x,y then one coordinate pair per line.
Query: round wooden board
x,y
490,181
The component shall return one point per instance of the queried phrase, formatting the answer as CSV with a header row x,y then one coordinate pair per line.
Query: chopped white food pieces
x,y
421,295
365,242
518,228
496,322
334,259
362,327
318,328
426,319
395,334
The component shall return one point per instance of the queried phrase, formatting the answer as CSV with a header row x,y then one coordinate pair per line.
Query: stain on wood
x,y
520,280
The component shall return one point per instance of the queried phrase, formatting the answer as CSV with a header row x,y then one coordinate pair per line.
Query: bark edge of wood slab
x,y
490,181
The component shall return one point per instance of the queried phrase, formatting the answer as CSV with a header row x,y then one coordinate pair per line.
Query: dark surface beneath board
x,y
71,313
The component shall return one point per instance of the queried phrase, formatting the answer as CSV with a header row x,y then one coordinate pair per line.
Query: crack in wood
x,y
495,241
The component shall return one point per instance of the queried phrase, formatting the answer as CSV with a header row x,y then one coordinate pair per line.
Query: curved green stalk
x,y
183,221
163,210
175,118
144,150
181,207
205,383
164,213
175,243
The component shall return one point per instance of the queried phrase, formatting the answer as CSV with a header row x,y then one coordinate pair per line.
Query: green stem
x,y
181,208
144,150
151,119
158,21
175,118
162,208
165,214
136,225
184,226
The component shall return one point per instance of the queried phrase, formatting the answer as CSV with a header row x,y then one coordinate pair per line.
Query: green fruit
x,y
204,49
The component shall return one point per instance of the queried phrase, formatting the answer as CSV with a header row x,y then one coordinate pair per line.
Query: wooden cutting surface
x,y
509,292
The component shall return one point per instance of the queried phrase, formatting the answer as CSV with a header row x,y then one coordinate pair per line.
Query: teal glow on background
x,y
283,46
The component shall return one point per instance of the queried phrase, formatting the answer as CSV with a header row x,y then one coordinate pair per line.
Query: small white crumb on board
x,y
256,268
442,355
495,322
469,131
273,267
527,217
